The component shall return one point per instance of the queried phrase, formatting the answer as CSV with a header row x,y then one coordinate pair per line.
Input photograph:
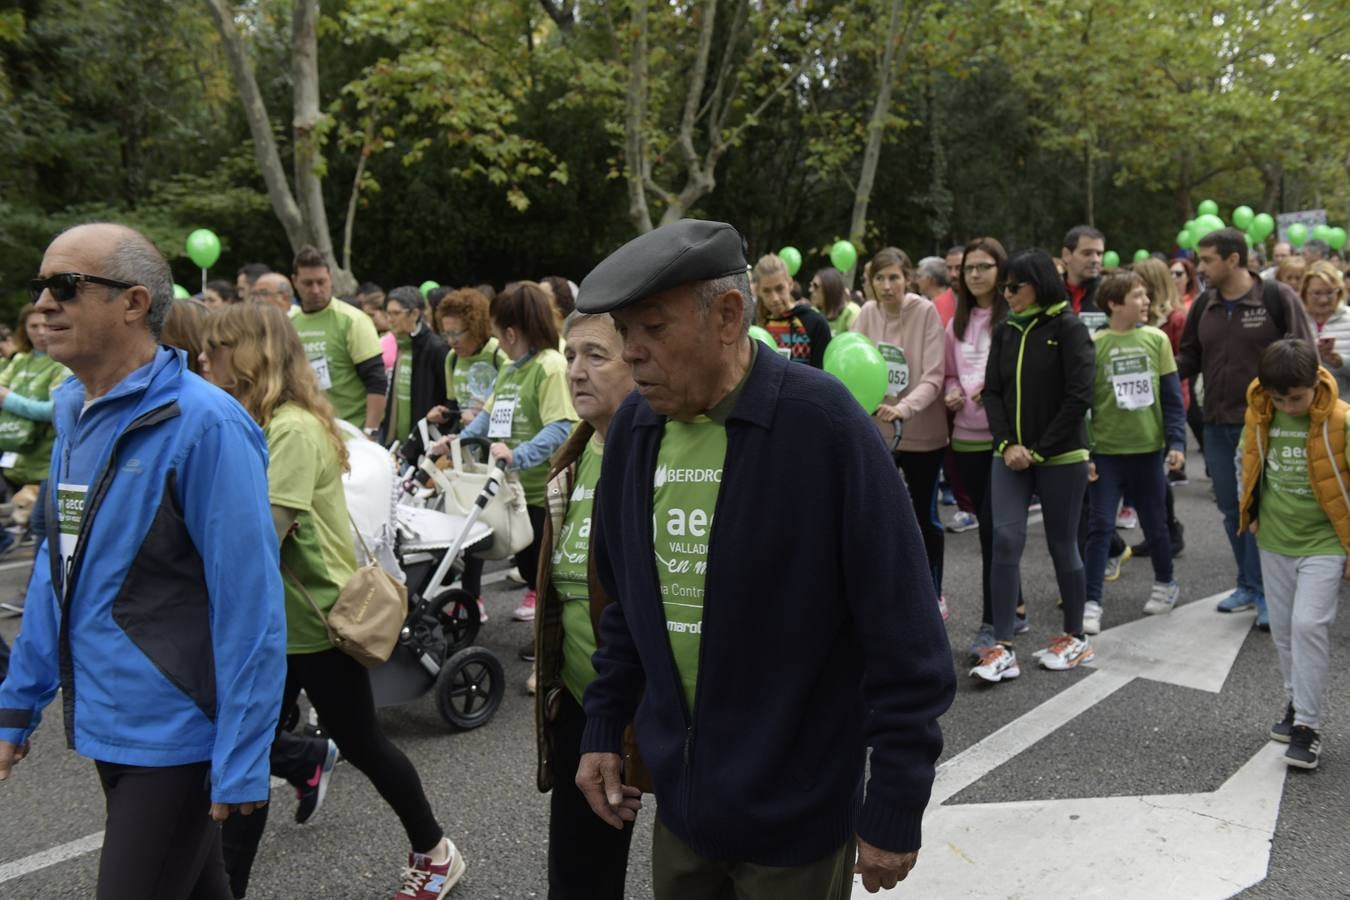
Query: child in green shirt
x,y
1295,479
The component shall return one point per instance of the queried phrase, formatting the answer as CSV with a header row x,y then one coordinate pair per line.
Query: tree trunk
x,y
259,126
635,105
1090,174
876,130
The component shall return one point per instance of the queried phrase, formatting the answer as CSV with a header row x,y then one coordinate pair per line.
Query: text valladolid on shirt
x,y
1126,406
303,475
570,554
528,396
336,339
685,488
1292,522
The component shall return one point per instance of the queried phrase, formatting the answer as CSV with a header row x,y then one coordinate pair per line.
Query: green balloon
x,y
764,337
1207,208
840,341
1264,224
1205,224
843,256
1297,234
1243,216
793,257
1337,239
180,292
428,286
860,367
1111,259
1140,255
1184,239
203,248
1322,233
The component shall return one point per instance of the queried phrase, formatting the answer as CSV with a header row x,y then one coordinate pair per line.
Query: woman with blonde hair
x,y
1290,271
254,353
800,331
1323,293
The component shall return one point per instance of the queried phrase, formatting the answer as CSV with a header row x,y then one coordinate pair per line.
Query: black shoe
x,y
527,652
310,794
1141,549
1281,729
1177,532
1177,478
1305,745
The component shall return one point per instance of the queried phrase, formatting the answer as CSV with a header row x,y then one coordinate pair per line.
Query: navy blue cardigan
x,y
821,632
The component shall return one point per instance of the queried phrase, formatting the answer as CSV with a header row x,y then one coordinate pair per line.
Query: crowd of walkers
x,y
639,415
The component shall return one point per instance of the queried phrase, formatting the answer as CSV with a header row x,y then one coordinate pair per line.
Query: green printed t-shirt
x,y
1126,404
402,388
32,375
471,377
685,488
527,397
336,340
1292,521
303,475
570,554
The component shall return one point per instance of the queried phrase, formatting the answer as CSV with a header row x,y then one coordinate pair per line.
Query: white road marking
x,y
1191,845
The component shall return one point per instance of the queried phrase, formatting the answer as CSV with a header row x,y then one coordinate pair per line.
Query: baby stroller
x,y
435,651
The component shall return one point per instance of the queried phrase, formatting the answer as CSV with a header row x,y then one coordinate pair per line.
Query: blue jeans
x,y
1221,446
1140,475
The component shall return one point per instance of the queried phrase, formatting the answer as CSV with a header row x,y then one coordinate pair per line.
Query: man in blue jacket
x,y
156,602
773,614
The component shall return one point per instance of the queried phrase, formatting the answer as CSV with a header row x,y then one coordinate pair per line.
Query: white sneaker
x,y
1127,518
1092,618
1065,652
998,663
1162,598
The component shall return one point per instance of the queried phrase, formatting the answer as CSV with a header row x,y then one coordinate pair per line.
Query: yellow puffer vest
x,y
1327,468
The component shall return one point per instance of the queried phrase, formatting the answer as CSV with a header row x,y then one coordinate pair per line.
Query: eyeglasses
x,y
1178,273
815,285
1322,295
1013,287
453,335
65,285
978,267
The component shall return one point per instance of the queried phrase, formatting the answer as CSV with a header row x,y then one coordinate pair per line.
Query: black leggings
x,y
921,475
527,560
339,690
974,470
587,859
159,842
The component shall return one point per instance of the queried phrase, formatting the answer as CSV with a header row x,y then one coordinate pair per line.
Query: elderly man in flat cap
x,y
773,613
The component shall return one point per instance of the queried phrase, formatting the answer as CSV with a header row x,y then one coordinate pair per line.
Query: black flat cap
x,y
679,253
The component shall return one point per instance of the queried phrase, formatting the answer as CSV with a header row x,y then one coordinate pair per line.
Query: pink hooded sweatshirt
x,y
913,344
966,359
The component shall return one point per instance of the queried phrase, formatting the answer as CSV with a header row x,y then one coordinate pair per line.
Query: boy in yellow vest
x,y
1295,480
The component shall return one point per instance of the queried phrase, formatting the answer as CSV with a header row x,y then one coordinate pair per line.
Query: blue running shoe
x,y
1237,601
1262,614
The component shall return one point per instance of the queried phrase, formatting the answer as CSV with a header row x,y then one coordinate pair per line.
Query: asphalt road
x,y
1146,738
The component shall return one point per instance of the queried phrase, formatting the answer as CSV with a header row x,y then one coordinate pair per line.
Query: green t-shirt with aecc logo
x,y
571,550
471,378
303,475
1126,403
403,389
1292,522
336,339
529,395
688,479
32,375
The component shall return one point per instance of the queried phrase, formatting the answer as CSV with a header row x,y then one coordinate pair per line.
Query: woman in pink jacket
x,y
908,332
980,308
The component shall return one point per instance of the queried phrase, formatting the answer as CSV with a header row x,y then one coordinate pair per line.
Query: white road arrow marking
x,y
1192,845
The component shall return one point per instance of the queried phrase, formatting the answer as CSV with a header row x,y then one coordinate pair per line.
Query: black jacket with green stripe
x,y
1038,384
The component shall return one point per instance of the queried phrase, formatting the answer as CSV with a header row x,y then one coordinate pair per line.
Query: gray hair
x,y
935,268
576,317
134,259
707,293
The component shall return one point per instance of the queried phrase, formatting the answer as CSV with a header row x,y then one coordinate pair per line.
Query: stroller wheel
x,y
470,688
458,615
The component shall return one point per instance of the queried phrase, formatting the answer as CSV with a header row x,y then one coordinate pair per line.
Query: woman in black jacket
x,y
417,383
1037,392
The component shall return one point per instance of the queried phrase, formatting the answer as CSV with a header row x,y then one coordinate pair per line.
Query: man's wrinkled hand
x,y
10,756
601,784
882,869
222,811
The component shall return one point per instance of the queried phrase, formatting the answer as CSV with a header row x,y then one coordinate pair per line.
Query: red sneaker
x,y
424,880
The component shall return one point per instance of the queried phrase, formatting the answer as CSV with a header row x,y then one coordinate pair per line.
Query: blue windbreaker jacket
x,y
166,629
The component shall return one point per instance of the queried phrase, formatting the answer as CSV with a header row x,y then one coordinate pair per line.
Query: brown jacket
x,y
548,628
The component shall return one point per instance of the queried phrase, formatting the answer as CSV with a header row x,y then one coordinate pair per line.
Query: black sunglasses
x,y
65,285
1013,287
